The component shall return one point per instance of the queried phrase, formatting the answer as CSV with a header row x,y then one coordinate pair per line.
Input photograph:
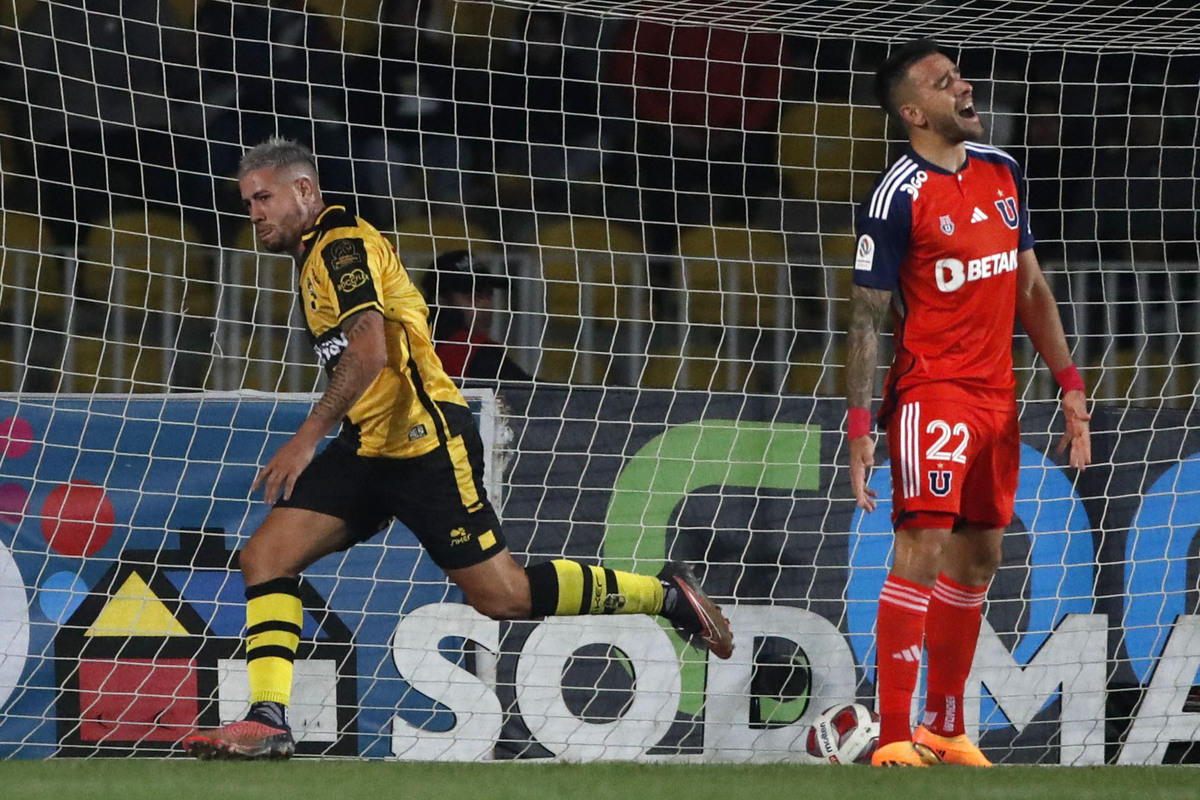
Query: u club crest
x,y
947,224
940,482
1007,206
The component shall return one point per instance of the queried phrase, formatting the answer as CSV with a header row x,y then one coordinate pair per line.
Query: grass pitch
x,y
176,779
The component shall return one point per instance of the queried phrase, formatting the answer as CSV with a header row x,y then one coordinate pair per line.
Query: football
x,y
844,734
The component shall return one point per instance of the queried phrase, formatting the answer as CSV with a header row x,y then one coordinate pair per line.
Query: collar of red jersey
x,y
929,166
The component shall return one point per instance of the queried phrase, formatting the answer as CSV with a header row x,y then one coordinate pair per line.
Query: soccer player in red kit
x,y
944,242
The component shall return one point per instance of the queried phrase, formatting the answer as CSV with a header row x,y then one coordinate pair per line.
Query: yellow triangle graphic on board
x,y
135,610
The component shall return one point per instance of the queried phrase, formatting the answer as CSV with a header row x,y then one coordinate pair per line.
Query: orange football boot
x,y
949,749
899,754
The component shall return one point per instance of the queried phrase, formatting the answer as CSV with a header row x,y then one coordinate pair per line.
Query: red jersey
x,y
945,244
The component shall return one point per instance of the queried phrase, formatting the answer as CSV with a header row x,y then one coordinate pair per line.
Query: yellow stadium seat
x,y
32,286
837,258
261,303
261,286
837,246
474,23
560,363
98,365
593,269
596,296
1138,374
265,361
419,239
12,363
816,371
694,366
831,151
14,12
735,277
148,261
354,24
186,10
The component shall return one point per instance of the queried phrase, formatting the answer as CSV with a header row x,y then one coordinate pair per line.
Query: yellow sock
x,y
274,617
565,588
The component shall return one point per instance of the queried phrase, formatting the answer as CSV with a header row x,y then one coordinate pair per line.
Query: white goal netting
x,y
668,189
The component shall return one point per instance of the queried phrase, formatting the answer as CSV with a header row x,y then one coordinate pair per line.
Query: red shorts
x,y
955,461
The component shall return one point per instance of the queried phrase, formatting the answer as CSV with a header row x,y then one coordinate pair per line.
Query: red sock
x,y
951,633
899,628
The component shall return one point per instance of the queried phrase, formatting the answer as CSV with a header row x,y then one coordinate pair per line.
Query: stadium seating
x,y
596,293
735,277
474,22
694,366
261,286
14,11
353,23
148,261
33,297
263,337
736,299
837,259
419,240
831,151
148,292
32,286
816,371
186,10
592,268
92,364
1138,371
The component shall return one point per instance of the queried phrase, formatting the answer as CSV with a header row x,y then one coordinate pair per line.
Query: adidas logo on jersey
x,y
978,215
912,653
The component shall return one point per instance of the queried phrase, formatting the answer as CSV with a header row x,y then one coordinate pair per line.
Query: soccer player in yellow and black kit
x,y
408,449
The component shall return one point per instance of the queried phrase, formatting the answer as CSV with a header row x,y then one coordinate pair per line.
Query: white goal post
x,y
669,188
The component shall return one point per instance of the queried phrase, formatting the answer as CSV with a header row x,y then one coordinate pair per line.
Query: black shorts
x,y
439,496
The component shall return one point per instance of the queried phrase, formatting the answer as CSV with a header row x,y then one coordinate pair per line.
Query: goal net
x,y
665,192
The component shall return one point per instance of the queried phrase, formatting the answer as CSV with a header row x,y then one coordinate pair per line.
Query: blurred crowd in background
x,y
107,104
500,117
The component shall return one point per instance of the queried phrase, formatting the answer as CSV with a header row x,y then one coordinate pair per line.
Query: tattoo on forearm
x,y
344,389
350,377
869,307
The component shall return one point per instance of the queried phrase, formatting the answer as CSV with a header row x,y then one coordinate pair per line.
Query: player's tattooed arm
x,y
362,360
868,309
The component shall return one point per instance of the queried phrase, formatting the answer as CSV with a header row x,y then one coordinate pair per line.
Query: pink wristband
x,y
858,423
1069,379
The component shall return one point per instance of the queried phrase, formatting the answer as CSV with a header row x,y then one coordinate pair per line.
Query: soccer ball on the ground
x,y
844,734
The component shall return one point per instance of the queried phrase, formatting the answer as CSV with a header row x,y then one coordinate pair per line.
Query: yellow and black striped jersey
x,y
349,267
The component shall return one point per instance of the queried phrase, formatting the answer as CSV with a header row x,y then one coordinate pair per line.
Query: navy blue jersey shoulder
x,y
883,224
889,195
